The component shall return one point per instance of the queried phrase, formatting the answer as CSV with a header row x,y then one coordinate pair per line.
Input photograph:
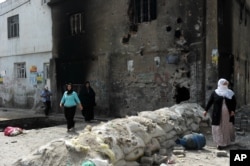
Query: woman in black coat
x,y
224,105
87,98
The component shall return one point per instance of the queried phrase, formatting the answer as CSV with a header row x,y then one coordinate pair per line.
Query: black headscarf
x,y
69,91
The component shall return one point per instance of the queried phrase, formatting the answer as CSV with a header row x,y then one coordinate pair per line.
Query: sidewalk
x,y
15,113
31,119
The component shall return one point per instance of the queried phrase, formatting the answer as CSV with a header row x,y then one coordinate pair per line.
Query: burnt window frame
x,y
76,23
142,11
13,26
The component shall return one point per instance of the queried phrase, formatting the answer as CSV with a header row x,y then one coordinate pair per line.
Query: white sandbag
x,y
168,144
120,163
126,163
135,154
168,126
171,134
157,132
153,129
197,120
132,163
156,118
148,123
109,136
180,129
138,130
189,121
129,145
153,145
161,139
184,110
125,138
91,144
169,113
194,127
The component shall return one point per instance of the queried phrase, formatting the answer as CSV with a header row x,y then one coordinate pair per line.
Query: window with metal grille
x,y
20,70
142,11
76,23
13,26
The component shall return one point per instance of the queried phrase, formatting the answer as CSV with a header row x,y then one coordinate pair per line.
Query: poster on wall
x,y
2,74
33,69
215,57
35,76
39,77
33,79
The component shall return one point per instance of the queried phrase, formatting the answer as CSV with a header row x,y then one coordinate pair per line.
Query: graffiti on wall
x,y
16,92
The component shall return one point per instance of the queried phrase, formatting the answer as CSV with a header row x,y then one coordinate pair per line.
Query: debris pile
x,y
146,139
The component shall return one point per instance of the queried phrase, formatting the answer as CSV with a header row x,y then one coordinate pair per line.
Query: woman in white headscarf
x,y
224,105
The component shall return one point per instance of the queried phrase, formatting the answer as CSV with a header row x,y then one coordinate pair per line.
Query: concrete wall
x,y
142,73
33,46
211,73
240,40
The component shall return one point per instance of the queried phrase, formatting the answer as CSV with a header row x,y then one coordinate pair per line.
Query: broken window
x,y
76,23
142,11
13,26
20,70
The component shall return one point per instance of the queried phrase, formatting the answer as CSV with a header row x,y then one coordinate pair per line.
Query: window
x,y
46,70
76,23
142,11
13,26
20,70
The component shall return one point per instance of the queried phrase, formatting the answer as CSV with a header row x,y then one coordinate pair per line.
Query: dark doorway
x,y
182,94
226,66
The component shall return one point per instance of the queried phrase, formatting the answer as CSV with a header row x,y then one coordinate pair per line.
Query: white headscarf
x,y
222,90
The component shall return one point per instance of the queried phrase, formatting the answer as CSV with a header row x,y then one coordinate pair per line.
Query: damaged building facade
x,y
147,54
137,54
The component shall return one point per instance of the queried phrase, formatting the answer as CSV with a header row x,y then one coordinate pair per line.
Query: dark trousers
x,y
88,113
69,113
47,106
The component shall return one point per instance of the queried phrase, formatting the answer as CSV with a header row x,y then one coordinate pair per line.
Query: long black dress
x,y
87,98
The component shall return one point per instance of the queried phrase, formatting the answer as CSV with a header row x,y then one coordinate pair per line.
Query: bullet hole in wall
x,y
188,74
245,20
179,20
168,28
141,52
178,33
125,39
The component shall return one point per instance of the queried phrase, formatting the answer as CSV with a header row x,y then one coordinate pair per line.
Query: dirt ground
x,y
13,148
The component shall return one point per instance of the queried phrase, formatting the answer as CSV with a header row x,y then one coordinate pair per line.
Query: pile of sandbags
x,y
134,139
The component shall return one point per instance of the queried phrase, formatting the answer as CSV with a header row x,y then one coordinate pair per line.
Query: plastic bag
x,y
12,131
